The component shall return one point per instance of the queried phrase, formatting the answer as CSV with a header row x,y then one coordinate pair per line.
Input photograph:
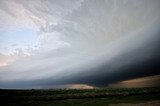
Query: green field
x,y
72,97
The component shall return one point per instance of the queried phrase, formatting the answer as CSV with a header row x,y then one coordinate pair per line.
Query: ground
x,y
92,97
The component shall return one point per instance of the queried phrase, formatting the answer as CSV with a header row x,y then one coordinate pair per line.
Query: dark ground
x,y
72,97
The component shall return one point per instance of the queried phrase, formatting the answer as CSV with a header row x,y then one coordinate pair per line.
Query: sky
x,y
150,81
50,43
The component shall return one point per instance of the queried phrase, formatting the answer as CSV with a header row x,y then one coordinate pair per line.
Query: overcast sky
x,y
95,42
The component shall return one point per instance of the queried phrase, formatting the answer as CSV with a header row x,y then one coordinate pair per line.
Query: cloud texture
x,y
94,42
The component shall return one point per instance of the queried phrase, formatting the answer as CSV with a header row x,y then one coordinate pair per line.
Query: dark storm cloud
x,y
137,61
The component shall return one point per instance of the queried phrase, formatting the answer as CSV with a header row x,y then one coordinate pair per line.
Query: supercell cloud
x,y
95,42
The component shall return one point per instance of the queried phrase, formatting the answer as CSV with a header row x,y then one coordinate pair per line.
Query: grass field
x,y
72,97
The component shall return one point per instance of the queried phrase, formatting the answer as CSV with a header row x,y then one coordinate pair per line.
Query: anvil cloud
x,y
95,42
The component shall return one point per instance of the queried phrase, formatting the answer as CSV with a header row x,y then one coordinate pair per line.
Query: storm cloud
x,y
94,42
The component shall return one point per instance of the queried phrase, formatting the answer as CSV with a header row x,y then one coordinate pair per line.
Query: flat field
x,y
81,97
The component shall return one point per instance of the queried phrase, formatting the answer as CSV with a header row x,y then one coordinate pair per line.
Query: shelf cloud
x,y
93,42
